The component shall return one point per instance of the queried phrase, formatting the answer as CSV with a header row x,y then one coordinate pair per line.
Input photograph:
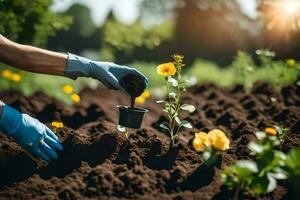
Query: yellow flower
x,y
218,139
291,62
201,141
146,94
6,74
56,124
270,131
140,100
68,89
15,77
75,98
166,69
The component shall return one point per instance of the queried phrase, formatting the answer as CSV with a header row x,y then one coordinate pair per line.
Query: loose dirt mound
x,y
99,163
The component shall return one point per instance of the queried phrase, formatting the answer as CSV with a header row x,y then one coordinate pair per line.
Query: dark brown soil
x,y
98,162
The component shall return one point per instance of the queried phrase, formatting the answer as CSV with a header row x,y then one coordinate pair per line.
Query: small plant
x,y
211,144
123,130
244,66
175,85
261,176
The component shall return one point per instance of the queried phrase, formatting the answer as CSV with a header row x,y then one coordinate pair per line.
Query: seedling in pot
x,y
258,176
132,117
210,145
175,85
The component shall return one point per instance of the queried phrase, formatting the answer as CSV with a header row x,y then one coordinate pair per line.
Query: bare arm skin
x,y
31,58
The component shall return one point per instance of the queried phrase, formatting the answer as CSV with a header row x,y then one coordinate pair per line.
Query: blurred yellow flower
x,y
6,74
15,77
291,62
146,94
75,98
218,139
140,100
270,131
56,124
68,89
201,141
166,69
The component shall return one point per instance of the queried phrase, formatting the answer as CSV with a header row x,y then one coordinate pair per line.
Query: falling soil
x,y
99,163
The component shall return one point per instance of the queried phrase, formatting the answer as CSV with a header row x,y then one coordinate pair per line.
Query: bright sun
x,y
291,7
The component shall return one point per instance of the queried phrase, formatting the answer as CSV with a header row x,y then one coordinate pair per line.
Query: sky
x,y
127,11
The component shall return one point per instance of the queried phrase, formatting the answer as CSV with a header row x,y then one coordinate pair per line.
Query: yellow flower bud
x,y
15,77
218,139
75,98
270,131
56,124
291,62
68,89
6,74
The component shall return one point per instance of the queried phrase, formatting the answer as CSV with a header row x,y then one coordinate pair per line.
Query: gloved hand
x,y
108,73
30,133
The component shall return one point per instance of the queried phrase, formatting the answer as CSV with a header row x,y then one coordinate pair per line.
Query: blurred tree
x,y
82,34
30,21
214,29
134,42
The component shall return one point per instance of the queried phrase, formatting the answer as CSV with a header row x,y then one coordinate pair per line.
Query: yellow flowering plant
x,y
210,145
175,85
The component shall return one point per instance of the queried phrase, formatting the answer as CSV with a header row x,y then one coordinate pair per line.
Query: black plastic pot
x,y
131,118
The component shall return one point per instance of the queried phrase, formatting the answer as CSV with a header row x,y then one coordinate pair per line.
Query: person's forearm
x,y
32,59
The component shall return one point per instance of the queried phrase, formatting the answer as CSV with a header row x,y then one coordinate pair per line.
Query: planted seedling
x,y
260,176
244,66
210,145
175,85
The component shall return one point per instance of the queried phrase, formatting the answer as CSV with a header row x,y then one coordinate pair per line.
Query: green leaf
x,y
278,174
247,166
293,159
188,107
186,124
264,184
160,101
272,183
177,120
260,135
173,81
163,126
122,129
255,147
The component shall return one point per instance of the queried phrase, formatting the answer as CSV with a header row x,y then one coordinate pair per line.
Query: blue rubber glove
x,y
30,133
108,73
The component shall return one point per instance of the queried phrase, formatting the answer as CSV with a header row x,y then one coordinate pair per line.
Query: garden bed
x,y
99,162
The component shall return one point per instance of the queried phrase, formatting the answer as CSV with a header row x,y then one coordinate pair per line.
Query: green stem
x,y
169,111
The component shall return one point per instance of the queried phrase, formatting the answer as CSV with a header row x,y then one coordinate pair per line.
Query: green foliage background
x,y
30,21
